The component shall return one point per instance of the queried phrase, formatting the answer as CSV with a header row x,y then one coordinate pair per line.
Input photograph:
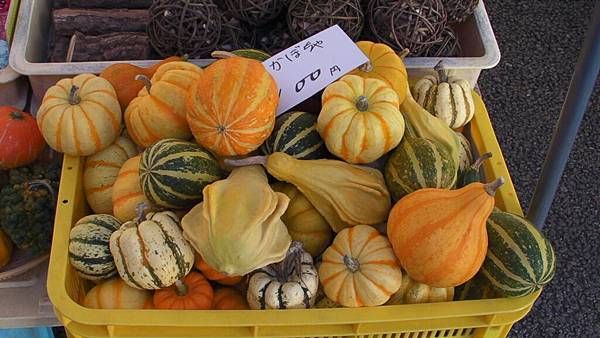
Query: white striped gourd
x,y
174,172
100,173
296,134
151,253
519,260
89,250
448,98
418,163
465,155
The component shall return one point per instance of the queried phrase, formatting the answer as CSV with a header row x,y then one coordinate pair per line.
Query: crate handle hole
x,y
65,201
69,168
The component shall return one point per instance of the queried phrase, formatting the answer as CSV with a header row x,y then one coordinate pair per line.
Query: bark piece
x,y
67,21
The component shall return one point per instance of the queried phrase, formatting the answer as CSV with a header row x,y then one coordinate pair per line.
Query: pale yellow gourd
x,y
237,228
412,292
344,194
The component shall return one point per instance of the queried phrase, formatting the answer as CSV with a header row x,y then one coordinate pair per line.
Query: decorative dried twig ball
x,y
308,17
235,34
178,27
274,37
446,46
412,24
255,12
459,10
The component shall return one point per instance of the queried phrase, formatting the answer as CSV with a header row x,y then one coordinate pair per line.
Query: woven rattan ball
x,y
235,34
255,12
446,46
274,37
459,10
412,24
178,27
308,17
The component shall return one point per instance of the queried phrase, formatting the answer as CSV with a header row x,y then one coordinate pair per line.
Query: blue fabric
x,y
34,332
3,54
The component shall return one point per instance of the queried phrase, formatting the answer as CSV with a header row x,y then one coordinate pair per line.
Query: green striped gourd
x,y
151,253
89,250
465,156
100,173
520,260
477,288
473,172
174,172
295,134
248,53
448,98
418,163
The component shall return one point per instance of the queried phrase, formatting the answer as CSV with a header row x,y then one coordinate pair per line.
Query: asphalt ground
x,y
540,41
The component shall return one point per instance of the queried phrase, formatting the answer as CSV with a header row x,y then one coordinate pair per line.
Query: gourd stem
x,y
351,263
262,160
366,67
362,104
181,289
74,95
480,160
221,54
145,80
439,68
491,187
404,53
46,184
16,115
140,211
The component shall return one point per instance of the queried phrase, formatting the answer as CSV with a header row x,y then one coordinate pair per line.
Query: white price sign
x,y
310,65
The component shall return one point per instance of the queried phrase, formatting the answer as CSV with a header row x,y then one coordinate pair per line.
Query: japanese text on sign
x,y
310,65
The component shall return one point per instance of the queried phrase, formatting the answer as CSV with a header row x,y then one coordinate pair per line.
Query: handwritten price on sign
x,y
309,66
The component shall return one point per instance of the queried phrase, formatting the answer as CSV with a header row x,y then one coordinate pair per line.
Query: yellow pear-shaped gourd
x,y
237,228
344,194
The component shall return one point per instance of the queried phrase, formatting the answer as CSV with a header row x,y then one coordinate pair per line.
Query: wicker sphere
x,y
446,46
255,12
412,24
459,10
274,37
178,27
235,34
308,17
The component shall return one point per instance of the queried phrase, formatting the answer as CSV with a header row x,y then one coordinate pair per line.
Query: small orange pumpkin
x,y
122,77
229,299
211,274
21,141
231,109
127,192
193,293
159,110
440,235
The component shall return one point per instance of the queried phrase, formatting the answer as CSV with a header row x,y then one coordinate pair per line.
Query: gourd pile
x,y
208,200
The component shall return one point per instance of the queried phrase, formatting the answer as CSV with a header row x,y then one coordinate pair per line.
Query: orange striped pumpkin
x,y
159,110
116,294
80,116
360,119
359,268
212,274
231,109
100,172
127,192
439,235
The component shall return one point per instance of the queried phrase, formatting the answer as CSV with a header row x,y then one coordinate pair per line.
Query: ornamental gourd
x,y
465,158
448,98
439,235
296,134
229,299
193,292
237,228
418,163
100,173
127,192
150,252
344,194
122,77
359,268
231,108
360,119
80,116
303,221
89,246
290,284
116,294
384,64
174,172
21,141
472,173
159,111
211,274
519,260
412,292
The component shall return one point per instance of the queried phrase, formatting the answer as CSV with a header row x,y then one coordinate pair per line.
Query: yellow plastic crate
x,y
476,318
